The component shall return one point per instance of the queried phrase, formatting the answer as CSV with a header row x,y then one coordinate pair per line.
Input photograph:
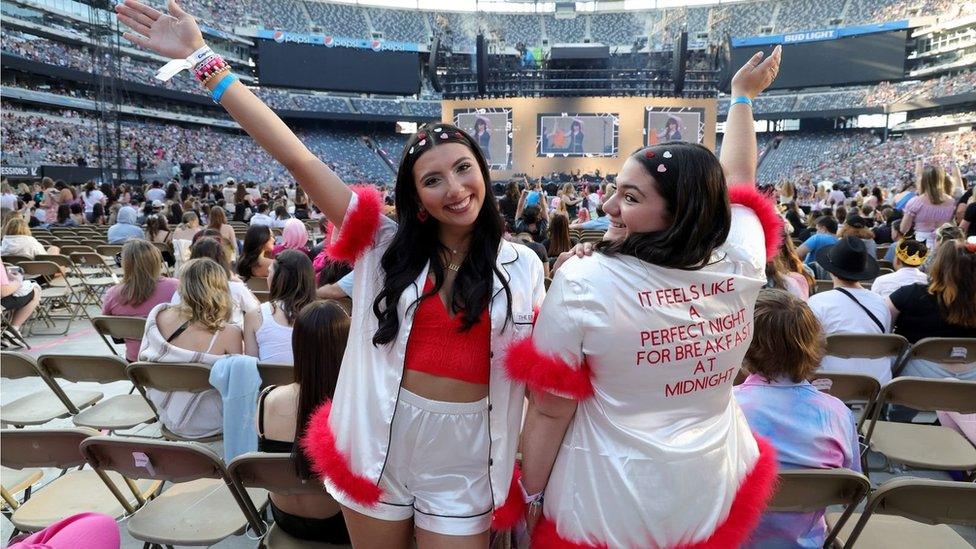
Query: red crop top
x,y
437,347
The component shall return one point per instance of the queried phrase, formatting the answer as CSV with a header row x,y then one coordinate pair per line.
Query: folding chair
x,y
78,491
85,291
808,490
952,354
924,446
96,274
15,259
276,374
190,377
274,473
117,412
14,481
41,406
823,285
111,256
119,328
892,516
589,235
68,250
257,284
262,297
60,293
201,508
851,389
868,346
882,251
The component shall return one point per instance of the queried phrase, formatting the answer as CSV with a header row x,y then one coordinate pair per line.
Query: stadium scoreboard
x,y
832,57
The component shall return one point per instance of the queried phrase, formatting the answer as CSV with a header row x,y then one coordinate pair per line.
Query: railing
x,y
576,82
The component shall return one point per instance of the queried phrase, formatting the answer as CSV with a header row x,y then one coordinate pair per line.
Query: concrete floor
x,y
82,339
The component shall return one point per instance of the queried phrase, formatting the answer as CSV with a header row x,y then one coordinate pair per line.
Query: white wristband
x,y
530,498
174,67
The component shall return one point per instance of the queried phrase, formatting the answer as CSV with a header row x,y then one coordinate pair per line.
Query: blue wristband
x,y
741,99
225,83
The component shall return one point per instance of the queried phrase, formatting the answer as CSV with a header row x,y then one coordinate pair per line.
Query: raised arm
x,y
177,36
739,151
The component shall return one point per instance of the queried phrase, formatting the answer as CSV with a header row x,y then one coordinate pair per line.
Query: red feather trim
x,y
765,209
328,461
747,508
358,227
541,372
748,505
510,512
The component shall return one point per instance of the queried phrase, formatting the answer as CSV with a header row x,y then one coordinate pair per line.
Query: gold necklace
x,y
451,264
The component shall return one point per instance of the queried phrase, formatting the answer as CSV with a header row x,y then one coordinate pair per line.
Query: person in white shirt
x,y
849,308
7,197
230,189
268,330
262,217
92,196
156,192
836,197
910,254
593,201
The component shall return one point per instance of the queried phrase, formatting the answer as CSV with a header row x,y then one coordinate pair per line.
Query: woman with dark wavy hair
x,y
268,330
632,431
420,438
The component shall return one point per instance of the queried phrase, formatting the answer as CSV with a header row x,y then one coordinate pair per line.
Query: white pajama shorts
x,y
437,467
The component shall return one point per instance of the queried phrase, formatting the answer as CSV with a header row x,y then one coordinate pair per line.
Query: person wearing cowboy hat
x,y
910,254
850,308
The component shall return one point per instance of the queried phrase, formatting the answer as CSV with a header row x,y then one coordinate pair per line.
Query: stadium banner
x,y
818,35
283,37
18,172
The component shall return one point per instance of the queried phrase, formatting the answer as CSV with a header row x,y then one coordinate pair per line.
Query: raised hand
x,y
756,75
174,35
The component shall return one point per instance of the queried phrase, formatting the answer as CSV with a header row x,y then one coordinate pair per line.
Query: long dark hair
x,y
318,341
155,224
416,243
293,284
255,239
697,203
559,241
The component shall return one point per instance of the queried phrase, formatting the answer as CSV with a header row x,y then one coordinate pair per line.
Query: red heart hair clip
x,y
458,135
422,135
649,154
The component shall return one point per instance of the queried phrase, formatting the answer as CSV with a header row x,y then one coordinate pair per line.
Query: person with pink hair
x,y
293,237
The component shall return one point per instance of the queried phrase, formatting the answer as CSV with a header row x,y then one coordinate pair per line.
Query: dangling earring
x,y
422,215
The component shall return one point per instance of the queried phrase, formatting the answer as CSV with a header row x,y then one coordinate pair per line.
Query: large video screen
x,y
338,69
577,134
491,128
662,124
854,60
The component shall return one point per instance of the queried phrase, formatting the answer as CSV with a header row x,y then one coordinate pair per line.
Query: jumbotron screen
x,y
853,60
338,69
577,134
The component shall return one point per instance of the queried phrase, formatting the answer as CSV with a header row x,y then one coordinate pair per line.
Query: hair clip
x,y
667,154
662,168
444,136
458,135
422,135
971,244
422,142
437,130
649,154
410,151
